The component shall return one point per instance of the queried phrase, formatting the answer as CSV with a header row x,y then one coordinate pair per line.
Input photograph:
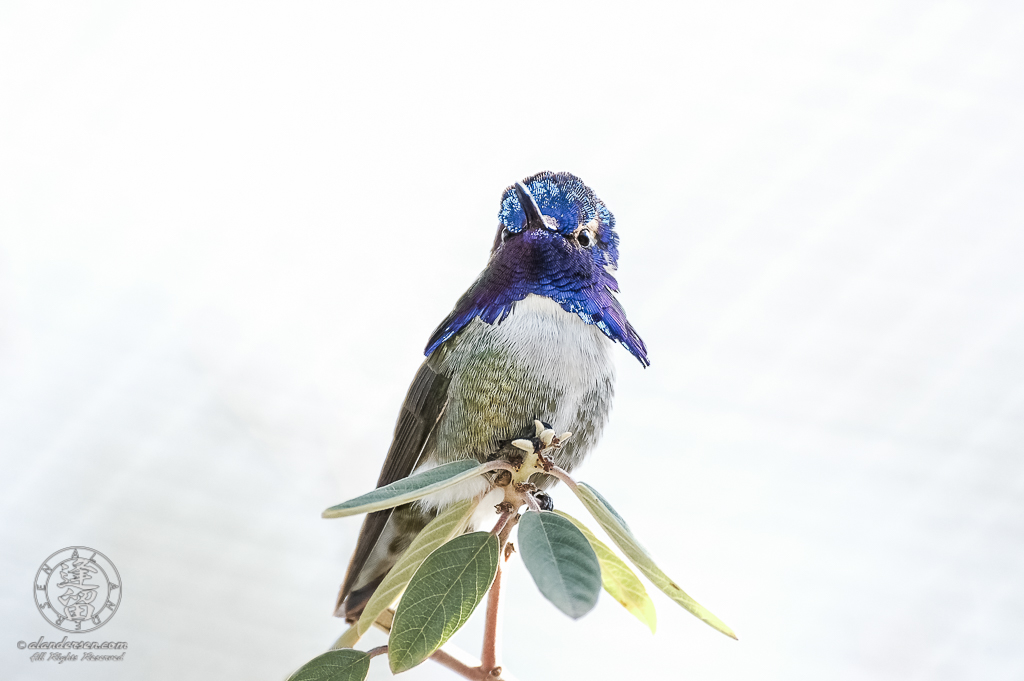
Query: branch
x,y
506,513
460,663
507,530
492,627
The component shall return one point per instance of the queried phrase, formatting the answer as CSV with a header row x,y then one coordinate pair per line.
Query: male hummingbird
x,y
530,340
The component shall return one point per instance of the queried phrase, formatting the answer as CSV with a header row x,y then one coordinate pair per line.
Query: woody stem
x,y
492,625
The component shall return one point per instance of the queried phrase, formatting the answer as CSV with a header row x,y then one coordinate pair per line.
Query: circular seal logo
x,y
77,589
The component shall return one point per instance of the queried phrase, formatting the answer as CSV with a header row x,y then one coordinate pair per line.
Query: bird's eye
x,y
505,234
584,239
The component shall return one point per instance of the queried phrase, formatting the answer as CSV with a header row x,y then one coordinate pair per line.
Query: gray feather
x,y
423,404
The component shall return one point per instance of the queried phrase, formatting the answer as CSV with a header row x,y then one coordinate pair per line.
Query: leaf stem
x,y
563,476
379,650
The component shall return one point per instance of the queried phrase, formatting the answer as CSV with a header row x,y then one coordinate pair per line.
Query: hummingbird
x,y
529,341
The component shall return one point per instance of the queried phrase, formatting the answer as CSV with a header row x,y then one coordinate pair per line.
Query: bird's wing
x,y
421,410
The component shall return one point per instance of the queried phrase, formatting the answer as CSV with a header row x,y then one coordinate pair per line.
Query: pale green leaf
x,y
619,581
441,596
449,523
348,639
412,488
561,562
617,529
335,665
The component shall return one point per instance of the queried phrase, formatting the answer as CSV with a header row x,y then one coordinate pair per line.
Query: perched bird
x,y
530,340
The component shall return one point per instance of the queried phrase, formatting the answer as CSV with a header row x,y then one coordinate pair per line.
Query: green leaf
x,y
348,639
449,523
561,562
412,488
442,595
619,581
617,529
335,665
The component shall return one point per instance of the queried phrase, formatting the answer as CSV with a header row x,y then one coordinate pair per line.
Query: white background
x,y
227,231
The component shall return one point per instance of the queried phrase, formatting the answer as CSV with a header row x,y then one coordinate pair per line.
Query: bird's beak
x,y
534,219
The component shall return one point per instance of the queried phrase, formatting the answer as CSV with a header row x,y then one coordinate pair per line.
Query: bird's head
x,y
556,239
556,218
